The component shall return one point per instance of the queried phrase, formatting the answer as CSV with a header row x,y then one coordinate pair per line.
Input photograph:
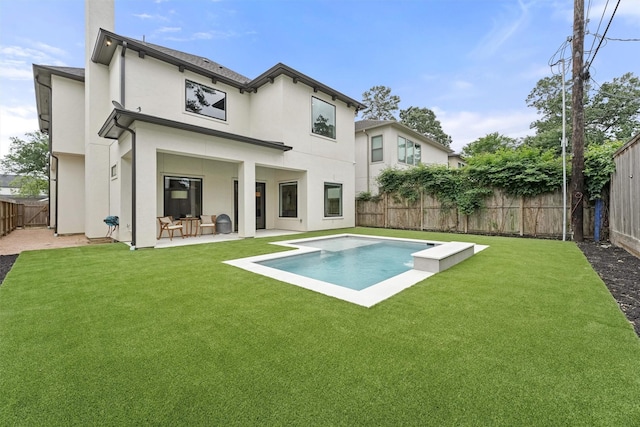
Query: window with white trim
x,y
376,148
409,152
323,118
205,100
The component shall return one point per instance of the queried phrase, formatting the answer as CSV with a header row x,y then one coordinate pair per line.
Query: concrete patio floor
x,y
27,239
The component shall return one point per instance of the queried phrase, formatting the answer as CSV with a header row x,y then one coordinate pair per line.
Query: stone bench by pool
x,y
441,257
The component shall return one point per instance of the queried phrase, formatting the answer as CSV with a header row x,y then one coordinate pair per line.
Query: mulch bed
x,y
619,270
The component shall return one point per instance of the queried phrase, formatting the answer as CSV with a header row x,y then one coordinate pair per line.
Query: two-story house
x,y
145,131
382,144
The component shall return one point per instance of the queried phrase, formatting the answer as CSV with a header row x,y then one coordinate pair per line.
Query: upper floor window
x,y
409,152
323,118
201,99
376,148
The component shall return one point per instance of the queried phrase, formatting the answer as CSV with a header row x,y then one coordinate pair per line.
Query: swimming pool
x,y
360,269
353,262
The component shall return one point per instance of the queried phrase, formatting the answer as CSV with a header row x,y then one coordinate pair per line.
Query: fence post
x,y
521,216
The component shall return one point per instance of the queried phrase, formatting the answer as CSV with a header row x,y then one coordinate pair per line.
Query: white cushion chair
x,y
167,223
208,221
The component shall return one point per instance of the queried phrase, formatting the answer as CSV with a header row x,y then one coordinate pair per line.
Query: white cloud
x,y
169,30
467,126
15,70
462,85
502,30
628,10
15,122
146,16
15,61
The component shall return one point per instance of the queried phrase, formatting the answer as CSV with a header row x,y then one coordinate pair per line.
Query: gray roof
x,y
371,124
107,43
366,124
6,179
42,82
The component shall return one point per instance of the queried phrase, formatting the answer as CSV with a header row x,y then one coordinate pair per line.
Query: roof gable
x,y
107,43
364,125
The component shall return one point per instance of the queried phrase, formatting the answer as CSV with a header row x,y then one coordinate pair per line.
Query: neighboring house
x,y
456,161
145,131
382,144
7,189
10,191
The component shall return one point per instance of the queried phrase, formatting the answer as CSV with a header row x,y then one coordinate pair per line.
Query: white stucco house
x,y
382,144
144,131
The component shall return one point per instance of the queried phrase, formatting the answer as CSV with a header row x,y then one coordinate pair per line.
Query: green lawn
x,y
524,333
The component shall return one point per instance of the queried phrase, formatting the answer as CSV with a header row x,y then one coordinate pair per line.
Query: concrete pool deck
x,y
367,297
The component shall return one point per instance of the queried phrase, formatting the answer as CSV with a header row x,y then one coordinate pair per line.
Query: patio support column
x,y
247,199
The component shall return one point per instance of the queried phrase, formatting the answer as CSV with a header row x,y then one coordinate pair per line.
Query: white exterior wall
x,y
68,112
87,192
430,155
67,139
98,14
158,89
71,195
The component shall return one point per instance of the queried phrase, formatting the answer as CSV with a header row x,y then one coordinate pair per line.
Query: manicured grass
x,y
524,333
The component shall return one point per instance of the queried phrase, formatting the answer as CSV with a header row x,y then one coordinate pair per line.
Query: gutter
x,y
50,133
133,181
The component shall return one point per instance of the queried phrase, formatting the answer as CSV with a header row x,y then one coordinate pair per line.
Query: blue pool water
x,y
352,262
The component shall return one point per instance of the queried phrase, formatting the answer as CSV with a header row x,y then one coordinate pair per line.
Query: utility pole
x,y
577,133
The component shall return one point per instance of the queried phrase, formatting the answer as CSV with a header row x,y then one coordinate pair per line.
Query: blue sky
x,y
473,62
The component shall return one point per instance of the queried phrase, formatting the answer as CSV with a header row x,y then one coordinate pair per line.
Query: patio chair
x,y
208,221
167,223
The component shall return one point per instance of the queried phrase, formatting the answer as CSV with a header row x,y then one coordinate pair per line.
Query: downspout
x,y
133,182
122,69
133,146
50,133
368,160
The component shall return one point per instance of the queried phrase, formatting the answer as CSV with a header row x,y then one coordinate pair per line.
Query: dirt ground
x,y
617,268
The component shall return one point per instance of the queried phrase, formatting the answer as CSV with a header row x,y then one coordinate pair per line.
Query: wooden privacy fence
x,y
14,215
625,197
8,217
539,216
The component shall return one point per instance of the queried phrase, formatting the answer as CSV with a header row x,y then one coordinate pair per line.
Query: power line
x,y
597,29
603,36
622,40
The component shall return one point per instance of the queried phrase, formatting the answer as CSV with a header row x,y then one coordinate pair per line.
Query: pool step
x,y
441,257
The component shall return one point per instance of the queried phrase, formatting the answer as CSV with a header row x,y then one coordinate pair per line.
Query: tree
x,y
30,160
381,105
424,121
490,143
611,112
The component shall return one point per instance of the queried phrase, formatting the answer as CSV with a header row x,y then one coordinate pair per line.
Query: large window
x,y
182,196
376,148
323,118
201,99
332,200
289,200
409,152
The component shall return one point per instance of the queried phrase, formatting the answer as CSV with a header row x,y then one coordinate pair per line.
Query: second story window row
x,y
409,152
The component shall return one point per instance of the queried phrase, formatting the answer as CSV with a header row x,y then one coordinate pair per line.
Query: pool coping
x,y
367,297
